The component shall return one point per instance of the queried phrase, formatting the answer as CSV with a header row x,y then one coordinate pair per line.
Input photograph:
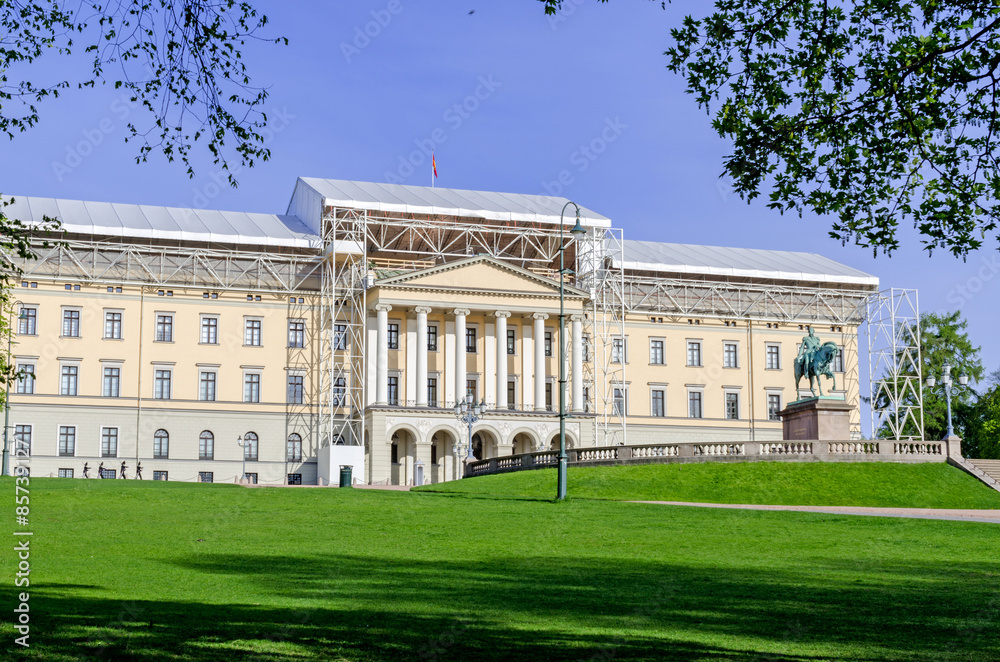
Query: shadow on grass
x,y
363,608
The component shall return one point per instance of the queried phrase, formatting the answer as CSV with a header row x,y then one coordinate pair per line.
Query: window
x,y
67,440
113,326
251,387
159,475
250,447
470,340
112,382
394,453
296,390
70,379
27,322
619,350
730,356
511,394
161,445
694,353
511,341
296,333
548,395
165,328
434,453
393,336
837,365
206,446
108,473
656,352
71,324
432,338
26,380
432,391
732,406
204,476
586,347
657,407
206,386
109,442
294,451
210,330
340,337
772,357
548,343
620,402
294,479
251,334
471,389
161,384
394,390
339,391
773,406
22,441
65,473
694,404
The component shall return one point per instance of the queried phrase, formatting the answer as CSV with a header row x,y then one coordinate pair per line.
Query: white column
x,y
382,354
576,376
461,356
421,349
501,335
539,334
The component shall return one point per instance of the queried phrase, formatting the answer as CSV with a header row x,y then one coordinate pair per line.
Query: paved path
x,y
958,515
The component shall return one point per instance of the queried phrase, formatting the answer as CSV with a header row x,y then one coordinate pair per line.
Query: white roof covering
x,y
739,262
144,221
449,202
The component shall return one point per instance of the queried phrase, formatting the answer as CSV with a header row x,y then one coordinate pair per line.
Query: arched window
x,y
294,448
161,444
206,446
250,447
477,446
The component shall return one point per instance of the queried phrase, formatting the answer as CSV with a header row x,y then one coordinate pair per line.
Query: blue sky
x,y
512,100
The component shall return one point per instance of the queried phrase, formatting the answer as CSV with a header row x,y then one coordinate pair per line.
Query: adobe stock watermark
x,y
567,9
94,137
585,155
988,269
454,117
364,35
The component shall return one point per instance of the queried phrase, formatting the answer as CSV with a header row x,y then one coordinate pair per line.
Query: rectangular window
x,y
548,395
113,326
294,450
108,473
161,445
67,440
27,321
339,391
432,338
773,357
656,352
251,387
657,406
586,399
511,394
470,340
206,386
393,336
251,478
730,357
70,379
393,390
161,384
620,402
22,441
773,406
109,442
159,475
732,406
296,390
164,328
251,334
210,330
548,343
432,391
71,324
511,341
296,333
206,446
112,382
586,347
26,380
837,365
340,337
294,479
694,353
619,350
65,473
204,476
694,404
470,390
250,448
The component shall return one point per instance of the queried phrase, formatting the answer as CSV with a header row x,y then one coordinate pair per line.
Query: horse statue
x,y
816,363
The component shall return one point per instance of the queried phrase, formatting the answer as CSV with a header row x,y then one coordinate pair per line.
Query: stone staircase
x,y
988,471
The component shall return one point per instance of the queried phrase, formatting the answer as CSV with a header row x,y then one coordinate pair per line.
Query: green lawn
x,y
143,571
781,483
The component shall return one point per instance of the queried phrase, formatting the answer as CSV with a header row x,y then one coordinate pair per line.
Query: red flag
x,y
434,165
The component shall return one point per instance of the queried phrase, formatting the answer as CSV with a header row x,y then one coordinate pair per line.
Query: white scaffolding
x,y
895,370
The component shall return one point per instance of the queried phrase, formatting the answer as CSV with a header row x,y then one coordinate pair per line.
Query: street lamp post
x,y
946,382
469,412
243,444
5,469
577,231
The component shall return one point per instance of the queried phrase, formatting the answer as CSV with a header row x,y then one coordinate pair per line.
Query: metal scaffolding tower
x,y
895,370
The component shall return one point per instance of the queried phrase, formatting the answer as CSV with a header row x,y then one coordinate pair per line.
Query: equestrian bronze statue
x,y
814,359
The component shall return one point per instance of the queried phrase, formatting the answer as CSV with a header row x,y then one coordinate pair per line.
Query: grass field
x,y
882,484
170,571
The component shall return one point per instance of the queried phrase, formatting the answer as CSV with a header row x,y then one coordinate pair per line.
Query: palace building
x,y
207,344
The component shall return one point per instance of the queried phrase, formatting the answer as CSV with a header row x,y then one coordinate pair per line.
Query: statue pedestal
x,y
816,419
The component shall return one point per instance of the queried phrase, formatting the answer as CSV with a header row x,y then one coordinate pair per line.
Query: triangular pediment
x,y
478,274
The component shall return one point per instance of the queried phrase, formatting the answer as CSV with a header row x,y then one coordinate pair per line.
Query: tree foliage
x,y
180,61
982,423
